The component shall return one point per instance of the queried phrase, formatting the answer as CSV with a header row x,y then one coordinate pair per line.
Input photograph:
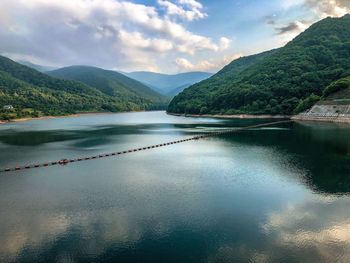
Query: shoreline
x,y
340,119
236,116
62,116
345,120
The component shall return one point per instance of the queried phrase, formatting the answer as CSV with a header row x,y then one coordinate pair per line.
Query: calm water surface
x,y
278,194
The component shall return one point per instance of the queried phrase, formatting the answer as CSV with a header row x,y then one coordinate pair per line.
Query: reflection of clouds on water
x,y
29,230
41,232
97,222
317,230
318,227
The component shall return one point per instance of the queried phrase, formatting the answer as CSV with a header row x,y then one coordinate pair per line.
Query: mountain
x,y
111,83
33,94
36,66
169,85
275,82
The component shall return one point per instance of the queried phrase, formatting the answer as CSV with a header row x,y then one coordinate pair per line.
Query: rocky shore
x,y
319,112
326,112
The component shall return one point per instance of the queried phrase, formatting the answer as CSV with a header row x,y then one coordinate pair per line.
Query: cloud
x,y
193,13
324,8
293,27
224,43
184,64
319,8
191,3
136,40
106,33
286,32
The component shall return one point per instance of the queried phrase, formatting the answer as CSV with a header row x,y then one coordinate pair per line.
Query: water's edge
x,y
236,116
65,116
339,119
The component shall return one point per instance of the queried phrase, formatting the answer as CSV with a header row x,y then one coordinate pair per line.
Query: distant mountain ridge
x,y
109,82
37,67
278,81
167,84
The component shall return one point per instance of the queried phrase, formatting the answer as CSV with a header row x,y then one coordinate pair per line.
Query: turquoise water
x,y
277,194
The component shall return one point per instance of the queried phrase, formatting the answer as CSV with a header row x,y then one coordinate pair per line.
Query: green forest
x,y
285,81
34,94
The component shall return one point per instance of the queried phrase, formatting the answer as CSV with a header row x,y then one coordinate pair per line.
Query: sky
x,y
167,36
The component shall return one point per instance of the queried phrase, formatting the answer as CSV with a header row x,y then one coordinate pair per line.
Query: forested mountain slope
x,y
32,93
109,82
279,80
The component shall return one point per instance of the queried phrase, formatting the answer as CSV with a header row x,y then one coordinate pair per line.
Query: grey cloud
x,y
56,37
291,27
106,33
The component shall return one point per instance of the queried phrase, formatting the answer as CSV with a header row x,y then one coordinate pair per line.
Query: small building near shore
x,y
8,107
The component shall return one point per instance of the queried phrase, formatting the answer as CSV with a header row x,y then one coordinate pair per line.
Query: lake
x,y
276,194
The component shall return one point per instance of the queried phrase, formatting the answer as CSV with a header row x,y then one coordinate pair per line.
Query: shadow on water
x,y
36,138
40,137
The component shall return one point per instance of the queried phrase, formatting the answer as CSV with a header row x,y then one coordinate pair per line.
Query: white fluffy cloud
x,y
324,8
107,33
184,64
186,9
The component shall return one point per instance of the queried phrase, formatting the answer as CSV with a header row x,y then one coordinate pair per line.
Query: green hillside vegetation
x,y
276,82
337,93
34,94
337,89
111,83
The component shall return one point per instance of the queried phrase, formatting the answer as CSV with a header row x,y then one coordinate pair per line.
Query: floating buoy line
x,y
81,159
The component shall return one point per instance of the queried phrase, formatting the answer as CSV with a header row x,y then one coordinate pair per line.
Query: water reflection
x,y
317,230
322,150
265,195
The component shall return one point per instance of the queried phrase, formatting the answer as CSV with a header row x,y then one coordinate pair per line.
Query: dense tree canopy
x,y
281,81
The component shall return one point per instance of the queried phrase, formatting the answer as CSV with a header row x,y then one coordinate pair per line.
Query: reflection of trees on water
x,y
321,149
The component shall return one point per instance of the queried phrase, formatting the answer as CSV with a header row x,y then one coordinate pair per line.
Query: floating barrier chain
x,y
67,161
